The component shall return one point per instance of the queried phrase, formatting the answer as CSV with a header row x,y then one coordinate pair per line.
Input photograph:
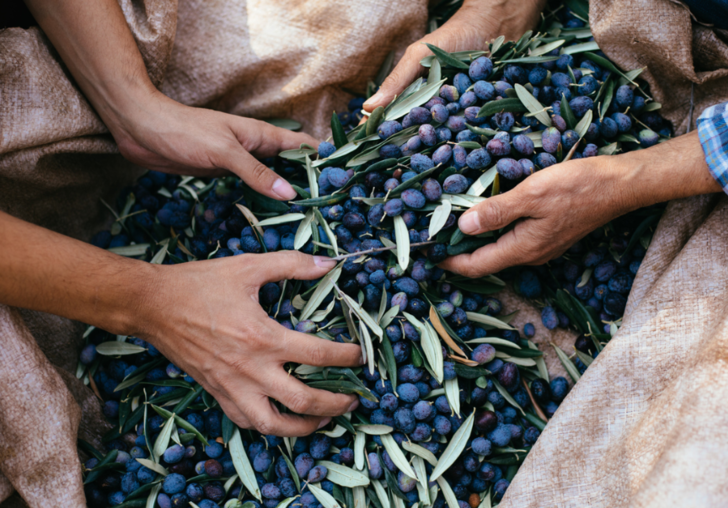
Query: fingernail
x,y
353,406
469,223
283,189
324,262
324,423
373,99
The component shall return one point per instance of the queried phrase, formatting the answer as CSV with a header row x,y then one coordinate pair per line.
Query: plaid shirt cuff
x,y
713,134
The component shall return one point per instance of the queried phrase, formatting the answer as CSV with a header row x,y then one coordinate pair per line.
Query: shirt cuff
x,y
713,134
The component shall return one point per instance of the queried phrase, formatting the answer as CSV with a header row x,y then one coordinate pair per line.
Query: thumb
x,y
493,213
406,71
281,265
265,140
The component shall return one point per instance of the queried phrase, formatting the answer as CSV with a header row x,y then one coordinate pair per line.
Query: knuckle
x,y
317,356
301,402
491,215
259,171
263,425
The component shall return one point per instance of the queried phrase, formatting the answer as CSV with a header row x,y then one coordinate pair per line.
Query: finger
x,y
511,249
269,421
304,400
311,350
493,213
232,411
400,78
266,140
257,175
275,266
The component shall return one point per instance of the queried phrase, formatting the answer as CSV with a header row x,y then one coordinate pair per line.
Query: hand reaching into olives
x,y
225,340
471,27
557,206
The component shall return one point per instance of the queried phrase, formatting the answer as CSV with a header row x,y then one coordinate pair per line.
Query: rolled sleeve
x,y
713,134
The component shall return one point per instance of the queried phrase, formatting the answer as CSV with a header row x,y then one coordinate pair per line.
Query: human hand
x,y
557,206
470,28
161,134
552,209
205,317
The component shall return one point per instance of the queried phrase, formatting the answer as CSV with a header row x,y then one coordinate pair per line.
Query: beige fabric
x,y
644,427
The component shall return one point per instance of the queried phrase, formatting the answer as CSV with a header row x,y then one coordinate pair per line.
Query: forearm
x,y
671,170
98,48
46,271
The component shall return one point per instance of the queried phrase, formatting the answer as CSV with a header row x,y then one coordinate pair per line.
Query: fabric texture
x,y
713,133
642,427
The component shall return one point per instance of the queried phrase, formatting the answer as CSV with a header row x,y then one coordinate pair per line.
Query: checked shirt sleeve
x,y
713,134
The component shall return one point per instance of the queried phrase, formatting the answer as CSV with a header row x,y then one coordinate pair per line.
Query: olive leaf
x,y
533,105
513,105
470,145
523,362
403,242
367,347
585,358
435,73
496,45
397,456
608,89
419,466
297,154
585,277
242,465
484,181
387,352
420,451
115,348
536,138
411,182
329,234
359,442
326,499
447,492
389,316
464,200
162,442
180,422
138,249
610,149
374,430
454,448
566,113
580,48
157,468
540,363
153,494
488,320
337,131
567,363
446,58
652,106
418,98
360,498
304,232
452,392
360,313
285,123
281,219
547,48
344,476
437,222
529,59
381,493
375,118
583,126
504,393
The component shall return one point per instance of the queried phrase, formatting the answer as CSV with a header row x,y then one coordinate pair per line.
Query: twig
x,y
380,249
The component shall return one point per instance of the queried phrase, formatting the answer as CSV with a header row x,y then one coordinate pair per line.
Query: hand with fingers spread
x,y
225,340
471,27
557,206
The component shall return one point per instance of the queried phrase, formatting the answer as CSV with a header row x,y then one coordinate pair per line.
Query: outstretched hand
x,y
470,28
205,317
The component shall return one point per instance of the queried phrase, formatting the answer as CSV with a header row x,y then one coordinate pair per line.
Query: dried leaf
x,y
437,325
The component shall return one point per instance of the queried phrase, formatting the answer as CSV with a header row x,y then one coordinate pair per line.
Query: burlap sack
x,y
292,59
264,58
644,427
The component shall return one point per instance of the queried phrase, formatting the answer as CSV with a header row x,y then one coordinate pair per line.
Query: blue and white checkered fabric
x,y
713,133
